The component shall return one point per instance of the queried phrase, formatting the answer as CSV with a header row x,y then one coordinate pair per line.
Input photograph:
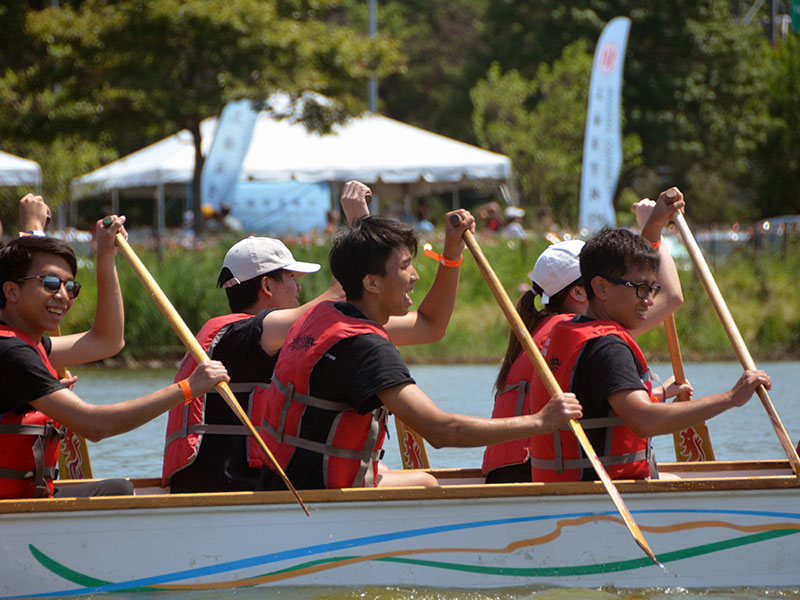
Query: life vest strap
x,y
561,465
600,423
213,429
313,446
47,431
49,472
287,391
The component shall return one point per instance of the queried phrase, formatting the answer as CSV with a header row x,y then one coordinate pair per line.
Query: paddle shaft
x,y
413,452
197,352
693,443
549,380
73,457
735,336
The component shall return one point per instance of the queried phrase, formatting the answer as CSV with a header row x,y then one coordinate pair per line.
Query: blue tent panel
x,y
288,208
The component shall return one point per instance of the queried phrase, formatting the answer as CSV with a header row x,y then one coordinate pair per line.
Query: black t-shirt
x,y
606,365
221,465
25,377
353,371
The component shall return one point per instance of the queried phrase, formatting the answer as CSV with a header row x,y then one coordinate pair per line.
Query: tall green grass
x,y
761,291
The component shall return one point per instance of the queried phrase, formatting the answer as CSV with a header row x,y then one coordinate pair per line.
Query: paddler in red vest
x,y
207,450
339,374
596,357
206,445
556,280
37,289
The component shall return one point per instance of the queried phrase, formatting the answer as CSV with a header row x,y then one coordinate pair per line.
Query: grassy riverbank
x,y
759,288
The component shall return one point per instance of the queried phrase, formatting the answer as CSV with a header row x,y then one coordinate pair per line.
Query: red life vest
x,y
511,401
29,443
558,456
351,448
186,422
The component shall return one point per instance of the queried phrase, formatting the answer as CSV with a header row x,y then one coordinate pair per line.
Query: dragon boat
x,y
712,525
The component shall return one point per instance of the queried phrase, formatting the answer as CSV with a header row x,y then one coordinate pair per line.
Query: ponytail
x,y
526,307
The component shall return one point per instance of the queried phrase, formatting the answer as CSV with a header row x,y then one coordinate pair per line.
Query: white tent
x,y
18,171
392,157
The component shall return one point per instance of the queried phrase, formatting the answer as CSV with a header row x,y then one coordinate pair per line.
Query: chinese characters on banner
x,y
602,144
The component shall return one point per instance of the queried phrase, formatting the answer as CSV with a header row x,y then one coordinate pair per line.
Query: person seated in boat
x,y
556,280
339,375
37,289
595,356
206,449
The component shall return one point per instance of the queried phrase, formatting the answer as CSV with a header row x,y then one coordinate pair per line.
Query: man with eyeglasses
x,y
595,357
37,289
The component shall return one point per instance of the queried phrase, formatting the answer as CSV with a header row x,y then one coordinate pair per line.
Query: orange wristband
x,y
656,244
187,391
428,249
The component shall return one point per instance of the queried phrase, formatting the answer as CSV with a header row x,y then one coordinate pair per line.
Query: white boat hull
x,y
710,532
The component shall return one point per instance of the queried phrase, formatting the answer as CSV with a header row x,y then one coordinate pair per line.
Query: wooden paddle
x,y
524,336
735,337
73,457
693,443
412,447
197,352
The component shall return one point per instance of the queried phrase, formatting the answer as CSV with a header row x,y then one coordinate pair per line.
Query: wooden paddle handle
x,y
692,443
197,352
73,457
550,382
735,336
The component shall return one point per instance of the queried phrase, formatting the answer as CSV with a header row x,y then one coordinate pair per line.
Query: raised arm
x,y
107,335
354,199
34,214
652,218
428,323
277,323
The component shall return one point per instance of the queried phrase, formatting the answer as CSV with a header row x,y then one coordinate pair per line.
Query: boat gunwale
x,y
453,492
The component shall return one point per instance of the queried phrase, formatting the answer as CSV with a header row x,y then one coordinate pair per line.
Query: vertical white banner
x,y
602,144
224,161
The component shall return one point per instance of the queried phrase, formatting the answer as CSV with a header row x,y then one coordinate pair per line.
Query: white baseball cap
x,y
557,267
256,256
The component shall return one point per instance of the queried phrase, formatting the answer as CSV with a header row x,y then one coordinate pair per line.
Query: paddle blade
x,y
413,452
612,491
73,458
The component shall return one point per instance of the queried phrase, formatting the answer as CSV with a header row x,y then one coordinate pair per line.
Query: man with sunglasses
x,y
595,357
37,289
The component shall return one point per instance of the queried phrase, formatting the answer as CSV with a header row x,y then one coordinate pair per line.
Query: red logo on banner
x,y
608,57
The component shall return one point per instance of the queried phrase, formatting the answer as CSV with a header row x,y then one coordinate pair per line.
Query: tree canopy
x,y
708,104
135,70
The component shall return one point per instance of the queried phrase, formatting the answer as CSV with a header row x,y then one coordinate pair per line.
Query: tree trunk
x,y
199,160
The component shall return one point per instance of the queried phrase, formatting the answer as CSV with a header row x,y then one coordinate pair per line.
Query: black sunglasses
x,y
53,284
642,289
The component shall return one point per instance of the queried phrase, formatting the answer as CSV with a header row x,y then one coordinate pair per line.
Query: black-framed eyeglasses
x,y
53,284
642,289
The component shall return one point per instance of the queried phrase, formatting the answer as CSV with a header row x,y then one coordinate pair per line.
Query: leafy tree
x,y
438,40
778,165
540,124
143,68
693,92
